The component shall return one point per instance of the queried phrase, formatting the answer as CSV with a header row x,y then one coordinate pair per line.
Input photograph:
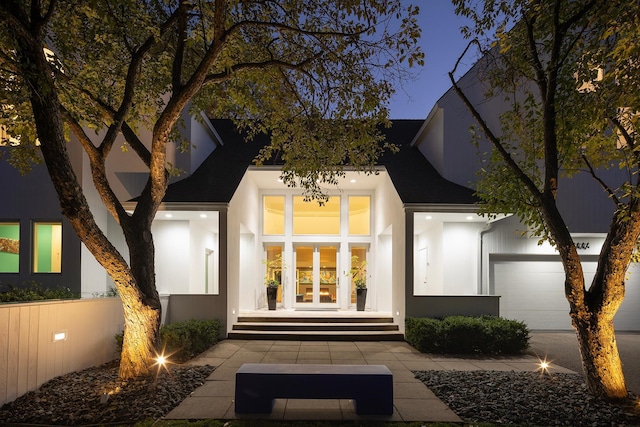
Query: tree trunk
x,y
592,314
592,311
142,310
141,330
135,283
601,360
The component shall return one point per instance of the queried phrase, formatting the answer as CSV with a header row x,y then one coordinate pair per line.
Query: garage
x,y
531,289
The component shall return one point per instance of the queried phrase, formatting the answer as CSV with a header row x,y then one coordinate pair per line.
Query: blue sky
x,y
442,44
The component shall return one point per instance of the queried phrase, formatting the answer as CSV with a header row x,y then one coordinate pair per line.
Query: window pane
x,y
47,247
304,274
9,247
273,215
311,218
359,215
358,268
274,267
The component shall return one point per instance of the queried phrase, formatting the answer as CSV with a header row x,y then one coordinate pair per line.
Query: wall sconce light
x,y
59,336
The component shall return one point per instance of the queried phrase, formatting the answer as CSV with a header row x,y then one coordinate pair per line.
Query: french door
x,y
316,275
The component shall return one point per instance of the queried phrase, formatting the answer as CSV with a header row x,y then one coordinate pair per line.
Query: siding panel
x,y
28,355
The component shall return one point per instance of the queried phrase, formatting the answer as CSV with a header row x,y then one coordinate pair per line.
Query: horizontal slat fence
x,y
29,356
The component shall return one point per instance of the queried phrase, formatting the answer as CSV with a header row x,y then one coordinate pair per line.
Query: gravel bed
x,y
96,396
526,398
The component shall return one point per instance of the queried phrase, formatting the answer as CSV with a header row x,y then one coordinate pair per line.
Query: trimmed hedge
x,y
188,339
467,335
34,292
184,340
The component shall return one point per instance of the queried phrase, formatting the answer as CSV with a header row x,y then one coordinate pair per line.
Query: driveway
x,y
562,349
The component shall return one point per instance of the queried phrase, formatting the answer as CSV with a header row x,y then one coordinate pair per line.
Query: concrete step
x,y
318,319
316,335
293,326
320,328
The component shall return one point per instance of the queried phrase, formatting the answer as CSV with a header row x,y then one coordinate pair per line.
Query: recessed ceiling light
x,y
352,181
469,218
203,215
428,217
168,215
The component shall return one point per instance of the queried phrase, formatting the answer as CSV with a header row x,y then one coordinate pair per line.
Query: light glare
x,y
544,365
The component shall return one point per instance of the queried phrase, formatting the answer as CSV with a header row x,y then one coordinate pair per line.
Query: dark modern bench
x,y
258,384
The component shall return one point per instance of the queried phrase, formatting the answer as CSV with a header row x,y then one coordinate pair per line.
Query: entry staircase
x,y
314,328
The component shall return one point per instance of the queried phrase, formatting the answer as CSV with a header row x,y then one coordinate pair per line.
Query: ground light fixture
x,y
544,365
59,336
162,361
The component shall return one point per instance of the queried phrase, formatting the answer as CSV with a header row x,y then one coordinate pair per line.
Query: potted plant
x,y
272,279
272,293
359,277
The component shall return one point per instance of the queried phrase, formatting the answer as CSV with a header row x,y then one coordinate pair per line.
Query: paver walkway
x,y
413,401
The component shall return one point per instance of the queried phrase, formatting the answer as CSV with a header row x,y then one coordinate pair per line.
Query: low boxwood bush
x,y
33,292
188,339
184,340
467,335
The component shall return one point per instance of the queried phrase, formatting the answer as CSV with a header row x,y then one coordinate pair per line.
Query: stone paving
x,y
413,401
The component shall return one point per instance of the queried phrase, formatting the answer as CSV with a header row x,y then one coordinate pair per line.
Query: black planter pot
x,y
361,299
272,296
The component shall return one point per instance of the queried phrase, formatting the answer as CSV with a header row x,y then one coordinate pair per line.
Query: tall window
x,y
47,247
359,215
358,268
274,267
311,218
9,247
273,214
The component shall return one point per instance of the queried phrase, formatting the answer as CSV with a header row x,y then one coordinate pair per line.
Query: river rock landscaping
x,y
97,396
525,398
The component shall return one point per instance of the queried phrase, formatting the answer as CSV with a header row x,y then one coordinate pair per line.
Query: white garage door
x,y
531,290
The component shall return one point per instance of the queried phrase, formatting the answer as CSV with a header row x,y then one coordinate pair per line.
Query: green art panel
x,y
47,238
9,247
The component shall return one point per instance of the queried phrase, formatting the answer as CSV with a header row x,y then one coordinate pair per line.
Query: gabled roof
x,y
415,179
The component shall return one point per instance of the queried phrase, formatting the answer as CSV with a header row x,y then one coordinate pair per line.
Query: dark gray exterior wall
x,y
27,199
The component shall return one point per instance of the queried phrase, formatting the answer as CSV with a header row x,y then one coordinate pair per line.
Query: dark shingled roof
x,y
415,179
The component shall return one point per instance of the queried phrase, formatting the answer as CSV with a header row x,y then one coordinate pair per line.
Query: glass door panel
x,y
328,275
316,275
304,274
358,268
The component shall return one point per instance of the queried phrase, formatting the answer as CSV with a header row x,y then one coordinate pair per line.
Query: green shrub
x,y
424,334
188,339
467,335
33,292
184,340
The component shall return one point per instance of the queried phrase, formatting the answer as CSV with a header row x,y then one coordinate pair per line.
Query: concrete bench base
x,y
258,384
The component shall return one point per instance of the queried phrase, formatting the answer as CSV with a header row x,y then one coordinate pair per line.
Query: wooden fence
x,y
43,340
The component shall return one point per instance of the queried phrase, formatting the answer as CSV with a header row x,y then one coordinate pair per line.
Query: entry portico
x,y
367,218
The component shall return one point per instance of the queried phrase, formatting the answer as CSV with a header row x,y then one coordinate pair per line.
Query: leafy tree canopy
x,y
568,72
292,68
592,68
315,74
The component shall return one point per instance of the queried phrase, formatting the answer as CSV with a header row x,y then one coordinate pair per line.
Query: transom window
x,y
359,215
293,215
273,215
312,218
